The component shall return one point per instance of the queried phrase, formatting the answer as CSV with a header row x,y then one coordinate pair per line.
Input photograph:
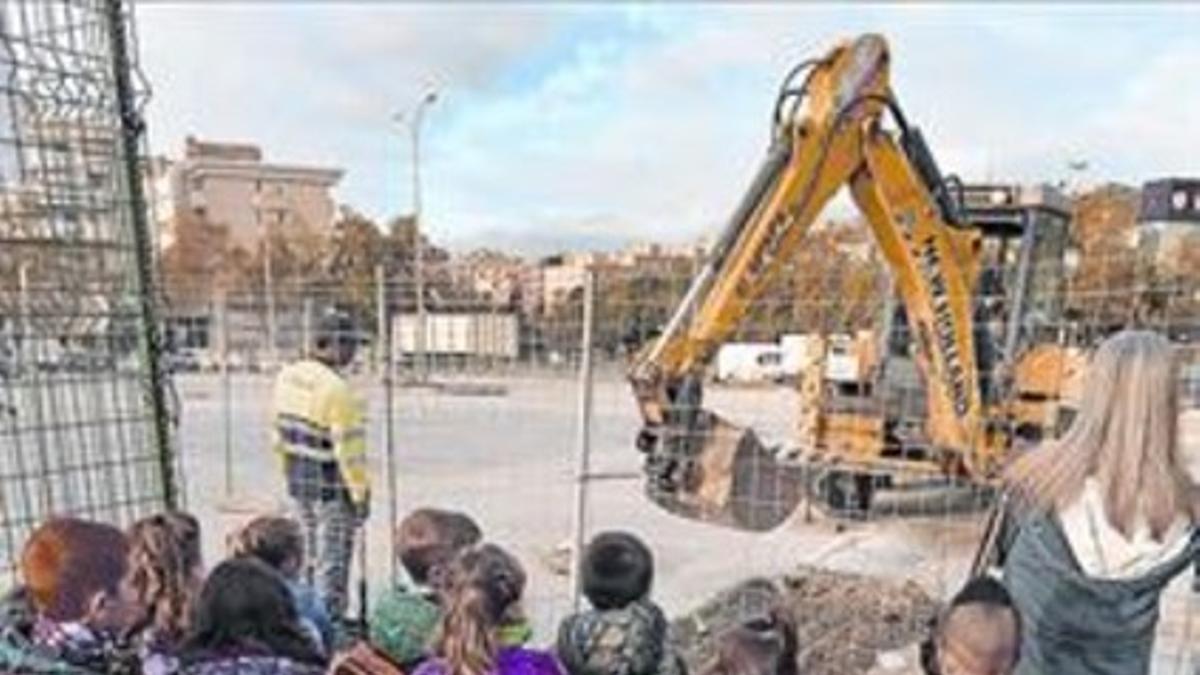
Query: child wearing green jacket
x,y
404,618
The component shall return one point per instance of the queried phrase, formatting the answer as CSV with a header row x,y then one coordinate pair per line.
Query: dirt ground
x,y
843,620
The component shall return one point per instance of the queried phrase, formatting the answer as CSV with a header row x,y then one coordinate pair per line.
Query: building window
x,y
198,183
258,186
199,211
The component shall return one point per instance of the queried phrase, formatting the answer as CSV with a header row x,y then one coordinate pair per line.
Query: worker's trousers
x,y
329,527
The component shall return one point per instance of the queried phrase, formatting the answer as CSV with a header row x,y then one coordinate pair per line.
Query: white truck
x,y
753,362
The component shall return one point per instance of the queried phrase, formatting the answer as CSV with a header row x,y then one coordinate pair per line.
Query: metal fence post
x,y
583,447
385,364
226,391
380,320
32,359
272,327
28,356
306,328
132,129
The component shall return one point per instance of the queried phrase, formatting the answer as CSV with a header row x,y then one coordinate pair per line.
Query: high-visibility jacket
x,y
320,422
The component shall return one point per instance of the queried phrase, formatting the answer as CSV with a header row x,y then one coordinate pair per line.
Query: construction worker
x,y
321,435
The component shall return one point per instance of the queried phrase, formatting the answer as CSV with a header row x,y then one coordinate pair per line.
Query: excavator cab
x,y
1018,294
1024,244
1027,247
874,433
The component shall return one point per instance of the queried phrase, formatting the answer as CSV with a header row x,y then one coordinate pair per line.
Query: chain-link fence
x,y
813,420
83,413
817,437
491,408
473,411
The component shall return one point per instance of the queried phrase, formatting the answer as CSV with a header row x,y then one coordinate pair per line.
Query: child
x,y
246,624
403,619
483,593
66,610
625,633
162,580
980,633
279,542
187,530
765,646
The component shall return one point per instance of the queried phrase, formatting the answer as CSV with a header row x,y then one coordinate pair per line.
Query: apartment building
x,y
232,185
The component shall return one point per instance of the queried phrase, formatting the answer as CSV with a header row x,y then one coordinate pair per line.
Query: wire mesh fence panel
x,y
805,443
227,344
486,423
752,508
469,404
82,416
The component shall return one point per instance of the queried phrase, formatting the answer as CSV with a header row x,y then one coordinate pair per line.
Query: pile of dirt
x,y
843,620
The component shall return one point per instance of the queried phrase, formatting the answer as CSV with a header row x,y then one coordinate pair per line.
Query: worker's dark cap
x,y
335,325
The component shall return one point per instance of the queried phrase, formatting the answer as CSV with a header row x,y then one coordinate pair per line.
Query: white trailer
x,y
799,350
460,334
749,362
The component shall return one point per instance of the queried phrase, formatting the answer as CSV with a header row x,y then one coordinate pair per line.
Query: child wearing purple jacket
x,y
484,595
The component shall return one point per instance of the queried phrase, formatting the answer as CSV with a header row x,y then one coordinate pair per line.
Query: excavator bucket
x,y
733,480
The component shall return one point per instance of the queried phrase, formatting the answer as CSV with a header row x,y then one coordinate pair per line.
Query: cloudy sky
x,y
573,124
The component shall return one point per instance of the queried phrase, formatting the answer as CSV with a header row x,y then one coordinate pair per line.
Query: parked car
x,y
85,361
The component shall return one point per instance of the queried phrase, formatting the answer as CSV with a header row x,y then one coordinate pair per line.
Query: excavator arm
x,y
828,134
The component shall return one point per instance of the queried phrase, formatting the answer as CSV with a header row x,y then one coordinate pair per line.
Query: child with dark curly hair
x,y
246,624
624,633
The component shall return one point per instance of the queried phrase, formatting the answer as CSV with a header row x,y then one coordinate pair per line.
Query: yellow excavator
x,y
829,133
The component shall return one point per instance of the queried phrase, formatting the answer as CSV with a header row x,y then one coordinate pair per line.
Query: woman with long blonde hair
x,y
483,596
1105,518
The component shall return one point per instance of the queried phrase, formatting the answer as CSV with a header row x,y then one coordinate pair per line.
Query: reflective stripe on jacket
x,y
319,418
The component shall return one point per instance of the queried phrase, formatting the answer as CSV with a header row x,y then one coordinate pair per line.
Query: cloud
x,y
665,143
393,51
580,123
1155,118
294,74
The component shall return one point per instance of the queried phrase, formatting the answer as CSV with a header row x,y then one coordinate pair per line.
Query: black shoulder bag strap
x,y
998,533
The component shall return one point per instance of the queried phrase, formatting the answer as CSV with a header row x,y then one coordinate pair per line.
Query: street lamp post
x,y
413,120
269,283
1077,168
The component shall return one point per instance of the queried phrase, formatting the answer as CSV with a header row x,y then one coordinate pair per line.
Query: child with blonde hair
x,y
484,589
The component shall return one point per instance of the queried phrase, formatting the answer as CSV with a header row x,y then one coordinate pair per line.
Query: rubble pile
x,y
843,620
